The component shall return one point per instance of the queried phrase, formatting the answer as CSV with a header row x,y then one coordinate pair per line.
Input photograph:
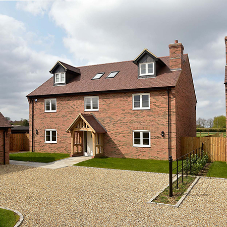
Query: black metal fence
x,y
183,167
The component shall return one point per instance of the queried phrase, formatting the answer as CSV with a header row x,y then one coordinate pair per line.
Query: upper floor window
x,y
50,105
59,78
146,68
141,138
91,103
98,76
141,101
50,136
112,74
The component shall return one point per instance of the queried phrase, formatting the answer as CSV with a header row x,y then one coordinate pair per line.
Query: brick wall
x,y
7,140
116,115
185,106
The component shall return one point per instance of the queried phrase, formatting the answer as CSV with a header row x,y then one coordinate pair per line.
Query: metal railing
x,y
180,167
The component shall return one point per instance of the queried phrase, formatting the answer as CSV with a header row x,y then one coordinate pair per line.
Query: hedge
x,y
210,129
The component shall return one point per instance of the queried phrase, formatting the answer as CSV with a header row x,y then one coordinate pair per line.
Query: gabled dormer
x,y
63,73
148,64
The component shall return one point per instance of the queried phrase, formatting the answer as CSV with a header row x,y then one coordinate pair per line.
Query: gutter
x,y
4,147
32,125
169,122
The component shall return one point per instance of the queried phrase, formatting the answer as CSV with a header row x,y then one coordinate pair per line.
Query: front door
x,y
88,146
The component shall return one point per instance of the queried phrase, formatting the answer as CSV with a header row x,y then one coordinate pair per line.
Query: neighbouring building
x,y
5,131
226,87
134,109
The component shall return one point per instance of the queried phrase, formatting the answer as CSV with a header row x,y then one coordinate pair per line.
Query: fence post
x,y
170,177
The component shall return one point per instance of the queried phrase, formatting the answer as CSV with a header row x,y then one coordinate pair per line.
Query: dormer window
x,y
59,78
146,68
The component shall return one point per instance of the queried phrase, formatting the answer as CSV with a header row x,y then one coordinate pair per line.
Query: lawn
x,y
37,157
218,169
210,133
148,165
8,218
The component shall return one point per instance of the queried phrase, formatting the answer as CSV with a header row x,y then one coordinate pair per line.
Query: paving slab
x,y
52,165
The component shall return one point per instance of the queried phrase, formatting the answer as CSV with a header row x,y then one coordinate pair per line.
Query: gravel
x,y
80,196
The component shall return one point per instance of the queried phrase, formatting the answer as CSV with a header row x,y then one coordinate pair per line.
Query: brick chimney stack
x,y
226,49
176,55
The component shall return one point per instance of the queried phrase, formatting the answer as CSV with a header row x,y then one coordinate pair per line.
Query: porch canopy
x,y
86,123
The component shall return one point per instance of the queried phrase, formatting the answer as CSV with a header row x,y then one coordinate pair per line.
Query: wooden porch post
x,y
94,143
72,142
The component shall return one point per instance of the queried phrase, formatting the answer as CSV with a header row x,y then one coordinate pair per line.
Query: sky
x,y
34,35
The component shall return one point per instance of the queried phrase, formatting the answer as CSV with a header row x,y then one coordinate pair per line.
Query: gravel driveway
x,y
80,196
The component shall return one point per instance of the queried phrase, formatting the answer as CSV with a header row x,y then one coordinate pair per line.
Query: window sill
x,y
141,146
91,110
50,142
147,108
52,111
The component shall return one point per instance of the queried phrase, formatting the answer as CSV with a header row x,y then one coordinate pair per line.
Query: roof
x,y
66,67
90,120
4,123
126,79
20,129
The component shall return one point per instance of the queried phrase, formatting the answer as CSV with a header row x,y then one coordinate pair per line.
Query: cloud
x,y
22,69
34,7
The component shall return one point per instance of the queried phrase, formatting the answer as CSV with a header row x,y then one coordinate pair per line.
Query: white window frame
x,y
51,100
141,138
90,97
50,130
60,78
140,107
146,73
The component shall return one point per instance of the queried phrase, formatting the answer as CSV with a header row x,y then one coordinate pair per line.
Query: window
x,y
91,103
98,76
59,78
141,101
147,69
50,105
50,136
112,74
141,138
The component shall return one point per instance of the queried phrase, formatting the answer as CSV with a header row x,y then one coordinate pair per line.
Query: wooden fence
x,y
19,142
213,146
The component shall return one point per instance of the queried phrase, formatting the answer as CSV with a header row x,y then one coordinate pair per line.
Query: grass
x,y
37,157
177,193
158,166
210,133
218,169
8,218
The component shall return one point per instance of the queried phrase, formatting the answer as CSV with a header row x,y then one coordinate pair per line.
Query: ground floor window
x,y
141,138
50,136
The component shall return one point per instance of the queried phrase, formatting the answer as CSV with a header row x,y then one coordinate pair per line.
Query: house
x,y
134,109
5,130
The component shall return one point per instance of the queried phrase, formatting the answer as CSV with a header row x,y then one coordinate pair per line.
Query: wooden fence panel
x,y
215,147
19,142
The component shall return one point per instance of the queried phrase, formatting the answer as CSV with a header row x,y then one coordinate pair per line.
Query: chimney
x,y
176,55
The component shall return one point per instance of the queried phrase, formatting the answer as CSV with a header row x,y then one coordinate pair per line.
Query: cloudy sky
x,y
35,34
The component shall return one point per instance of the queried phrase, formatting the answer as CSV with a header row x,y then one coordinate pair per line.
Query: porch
x,y
87,136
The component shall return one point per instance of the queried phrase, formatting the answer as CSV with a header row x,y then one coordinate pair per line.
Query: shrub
x,y
197,164
210,129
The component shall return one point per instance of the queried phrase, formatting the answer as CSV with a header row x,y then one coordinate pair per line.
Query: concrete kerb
x,y
19,222
181,199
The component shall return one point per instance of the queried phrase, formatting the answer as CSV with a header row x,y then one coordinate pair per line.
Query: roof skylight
x,y
98,76
112,74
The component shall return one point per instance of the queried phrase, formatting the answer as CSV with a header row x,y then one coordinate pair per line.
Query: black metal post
x,y
177,173
190,163
182,170
170,177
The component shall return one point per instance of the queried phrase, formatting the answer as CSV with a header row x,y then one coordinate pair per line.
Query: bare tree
x,y
210,122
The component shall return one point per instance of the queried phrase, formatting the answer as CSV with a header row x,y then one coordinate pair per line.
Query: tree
x,y
201,123
219,122
8,118
210,123
25,123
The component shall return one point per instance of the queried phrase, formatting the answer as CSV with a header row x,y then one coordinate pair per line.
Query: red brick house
x,y
134,109
5,130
